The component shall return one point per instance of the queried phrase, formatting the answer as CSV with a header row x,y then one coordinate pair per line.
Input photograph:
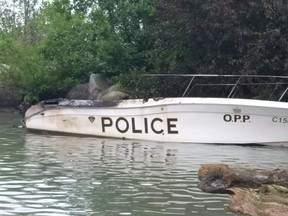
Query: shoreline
x,y
9,109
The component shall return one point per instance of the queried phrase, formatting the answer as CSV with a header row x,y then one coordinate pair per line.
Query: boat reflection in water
x,y
86,175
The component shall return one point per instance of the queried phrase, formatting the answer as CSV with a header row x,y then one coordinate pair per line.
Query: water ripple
x,y
43,174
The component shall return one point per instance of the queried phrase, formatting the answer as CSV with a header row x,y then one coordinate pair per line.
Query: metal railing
x,y
239,80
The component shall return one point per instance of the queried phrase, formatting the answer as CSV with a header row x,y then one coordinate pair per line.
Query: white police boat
x,y
181,119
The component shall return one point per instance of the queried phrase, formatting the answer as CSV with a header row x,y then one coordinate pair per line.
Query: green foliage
x,y
24,68
223,37
63,43
142,85
51,48
75,43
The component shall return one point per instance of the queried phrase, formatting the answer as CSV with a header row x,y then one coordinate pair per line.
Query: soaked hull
x,y
191,120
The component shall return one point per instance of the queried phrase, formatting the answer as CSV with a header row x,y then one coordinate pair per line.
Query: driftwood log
x,y
254,192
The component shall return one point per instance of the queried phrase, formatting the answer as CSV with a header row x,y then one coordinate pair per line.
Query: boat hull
x,y
192,120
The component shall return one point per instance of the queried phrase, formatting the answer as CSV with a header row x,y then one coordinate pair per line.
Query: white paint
x,y
199,120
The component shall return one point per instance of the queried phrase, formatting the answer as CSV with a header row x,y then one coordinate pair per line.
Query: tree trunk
x,y
253,191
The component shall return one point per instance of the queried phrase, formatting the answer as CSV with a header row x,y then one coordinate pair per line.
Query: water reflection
x,y
66,175
43,174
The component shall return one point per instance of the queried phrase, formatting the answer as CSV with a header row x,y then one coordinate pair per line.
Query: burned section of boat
x,y
183,119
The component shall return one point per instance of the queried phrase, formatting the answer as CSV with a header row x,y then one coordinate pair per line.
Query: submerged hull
x,y
193,120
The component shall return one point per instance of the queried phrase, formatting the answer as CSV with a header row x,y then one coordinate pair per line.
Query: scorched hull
x,y
193,120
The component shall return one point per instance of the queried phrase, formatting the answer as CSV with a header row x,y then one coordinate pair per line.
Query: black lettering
x,y
246,118
237,117
134,130
126,127
170,126
152,126
106,122
146,125
227,118
274,119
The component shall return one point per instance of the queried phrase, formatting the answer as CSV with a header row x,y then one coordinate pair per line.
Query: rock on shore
x,y
98,88
253,192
